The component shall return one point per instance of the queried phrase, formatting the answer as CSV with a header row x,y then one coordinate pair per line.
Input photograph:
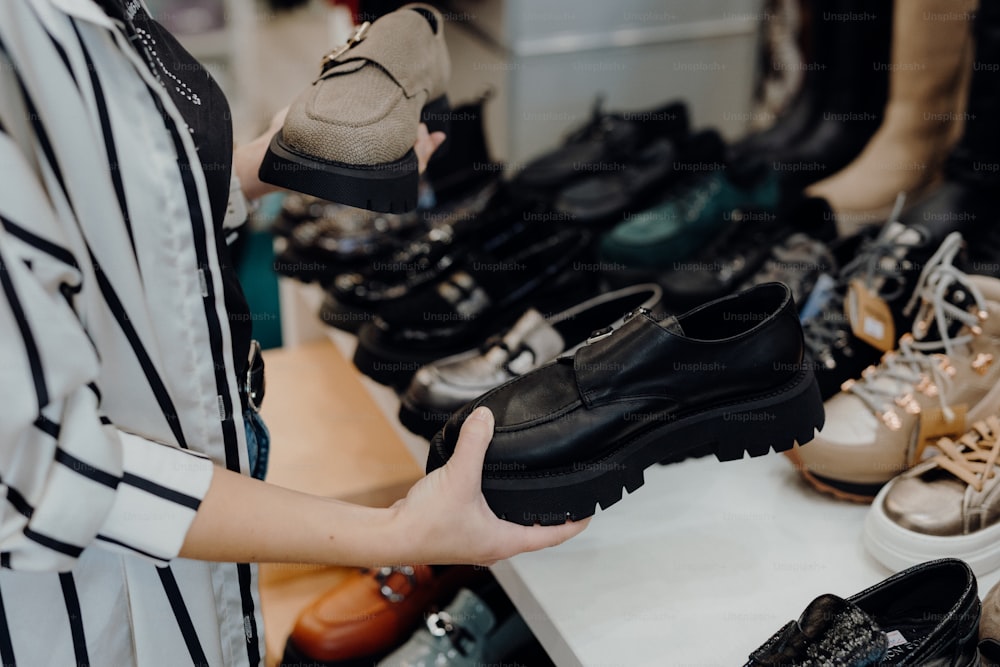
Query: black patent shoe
x,y
486,291
483,218
725,378
927,615
619,188
607,139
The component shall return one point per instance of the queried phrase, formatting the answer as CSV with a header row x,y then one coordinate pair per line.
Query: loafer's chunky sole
x,y
421,421
776,420
390,187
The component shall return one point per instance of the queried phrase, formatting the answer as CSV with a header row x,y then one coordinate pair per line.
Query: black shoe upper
x,y
926,616
480,218
484,291
645,372
608,138
742,248
840,103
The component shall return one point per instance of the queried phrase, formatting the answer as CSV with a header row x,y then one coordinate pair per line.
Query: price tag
x,y
934,425
870,317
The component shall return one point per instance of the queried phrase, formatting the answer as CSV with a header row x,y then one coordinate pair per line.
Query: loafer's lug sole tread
x,y
756,426
387,188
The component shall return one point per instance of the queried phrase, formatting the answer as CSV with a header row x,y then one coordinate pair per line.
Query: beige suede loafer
x,y
349,137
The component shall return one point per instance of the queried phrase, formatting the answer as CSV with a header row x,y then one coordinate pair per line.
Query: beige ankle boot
x,y
928,81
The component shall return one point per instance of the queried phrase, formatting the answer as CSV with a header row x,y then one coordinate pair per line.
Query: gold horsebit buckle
x,y
331,57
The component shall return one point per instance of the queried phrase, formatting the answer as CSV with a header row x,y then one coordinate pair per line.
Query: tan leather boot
x,y
928,81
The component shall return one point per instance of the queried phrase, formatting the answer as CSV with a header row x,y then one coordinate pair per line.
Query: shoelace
x,y
923,364
973,458
800,252
876,261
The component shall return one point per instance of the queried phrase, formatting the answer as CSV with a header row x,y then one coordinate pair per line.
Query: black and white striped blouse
x,y
116,361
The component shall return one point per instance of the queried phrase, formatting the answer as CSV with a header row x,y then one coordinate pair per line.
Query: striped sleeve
x,y
68,477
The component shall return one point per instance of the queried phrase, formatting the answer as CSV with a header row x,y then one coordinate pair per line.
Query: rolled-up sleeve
x,y
69,478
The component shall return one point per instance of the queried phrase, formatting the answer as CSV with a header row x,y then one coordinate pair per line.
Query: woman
x,y
130,519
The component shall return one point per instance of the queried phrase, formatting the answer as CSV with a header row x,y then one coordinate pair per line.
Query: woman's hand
x,y
445,519
426,145
248,157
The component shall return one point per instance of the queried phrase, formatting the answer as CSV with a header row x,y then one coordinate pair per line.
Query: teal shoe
x,y
672,231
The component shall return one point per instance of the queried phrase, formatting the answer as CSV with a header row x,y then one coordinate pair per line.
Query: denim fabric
x,y
258,443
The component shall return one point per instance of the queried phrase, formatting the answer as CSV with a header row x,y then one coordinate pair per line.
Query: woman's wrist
x,y
246,165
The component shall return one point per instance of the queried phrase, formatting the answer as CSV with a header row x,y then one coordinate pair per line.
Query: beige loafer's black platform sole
x,y
390,187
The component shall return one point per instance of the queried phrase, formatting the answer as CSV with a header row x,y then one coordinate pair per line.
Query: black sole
x,y
341,316
391,367
421,421
390,187
757,425
869,490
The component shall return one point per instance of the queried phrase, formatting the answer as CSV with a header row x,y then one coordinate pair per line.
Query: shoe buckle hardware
x,y
600,334
645,312
981,315
891,420
981,364
359,34
440,624
944,363
908,403
927,387
387,591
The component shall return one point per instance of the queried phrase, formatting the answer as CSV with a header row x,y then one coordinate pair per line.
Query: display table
x,y
699,566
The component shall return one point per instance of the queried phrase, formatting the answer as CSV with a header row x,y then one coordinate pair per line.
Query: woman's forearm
x,y
443,519
246,163
245,520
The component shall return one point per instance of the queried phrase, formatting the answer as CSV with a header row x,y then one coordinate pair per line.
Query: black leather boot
x,y
971,189
851,37
840,103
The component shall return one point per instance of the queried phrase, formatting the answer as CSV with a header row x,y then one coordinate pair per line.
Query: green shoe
x,y
674,229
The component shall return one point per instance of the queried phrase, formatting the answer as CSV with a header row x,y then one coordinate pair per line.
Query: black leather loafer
x,y
927,615
725,378
607,140
483,293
